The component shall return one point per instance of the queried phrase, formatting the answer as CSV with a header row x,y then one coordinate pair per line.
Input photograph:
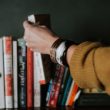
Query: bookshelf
x,y
85,99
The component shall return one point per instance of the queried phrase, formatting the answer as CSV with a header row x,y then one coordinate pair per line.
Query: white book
x,y
7,49
15,75
2,91
41,74
37,96
69,95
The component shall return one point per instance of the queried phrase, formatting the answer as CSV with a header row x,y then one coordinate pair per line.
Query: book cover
x,y
15,74
29,78
2,85
7,47
22,95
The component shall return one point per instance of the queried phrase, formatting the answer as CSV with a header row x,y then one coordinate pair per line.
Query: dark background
x,y
77,20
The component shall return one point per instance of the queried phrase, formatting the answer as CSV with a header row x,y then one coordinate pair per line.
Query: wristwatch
x,y
58,52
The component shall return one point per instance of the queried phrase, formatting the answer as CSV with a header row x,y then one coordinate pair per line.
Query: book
x,y
41,76
15,74
48,92
54,87
69,94
63,86
22,87
29,78
2,85
37,89
73,94
66,91
7,49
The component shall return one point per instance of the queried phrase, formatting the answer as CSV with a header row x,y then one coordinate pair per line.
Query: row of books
x,y
62,90
30,79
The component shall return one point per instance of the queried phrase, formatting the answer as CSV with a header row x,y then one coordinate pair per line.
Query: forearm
x,y
82,65
89,65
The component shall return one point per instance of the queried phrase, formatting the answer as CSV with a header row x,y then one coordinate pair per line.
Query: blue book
x,y
66,91
48,92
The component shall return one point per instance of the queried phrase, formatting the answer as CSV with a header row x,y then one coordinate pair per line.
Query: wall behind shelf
x,y
78,20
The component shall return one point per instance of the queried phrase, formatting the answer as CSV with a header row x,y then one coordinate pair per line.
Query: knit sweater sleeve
x,y
90,66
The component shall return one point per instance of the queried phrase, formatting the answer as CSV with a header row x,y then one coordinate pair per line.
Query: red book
x,y
29,78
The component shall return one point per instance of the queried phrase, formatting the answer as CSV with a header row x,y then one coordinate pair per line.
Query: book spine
x,y
73,93
2,85
37,90
22,73
7,42
66,91
41,69
69,94
29,78
63,85
15,74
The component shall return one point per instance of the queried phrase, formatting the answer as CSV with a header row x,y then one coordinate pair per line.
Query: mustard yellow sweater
x,y
90,66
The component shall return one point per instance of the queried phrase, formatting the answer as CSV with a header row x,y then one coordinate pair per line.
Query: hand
x,y
38,38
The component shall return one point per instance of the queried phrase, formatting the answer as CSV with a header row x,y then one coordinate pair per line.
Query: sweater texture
x,y
90,66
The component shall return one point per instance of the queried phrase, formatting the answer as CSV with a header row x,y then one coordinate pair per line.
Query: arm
x,y
88,62
90,65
